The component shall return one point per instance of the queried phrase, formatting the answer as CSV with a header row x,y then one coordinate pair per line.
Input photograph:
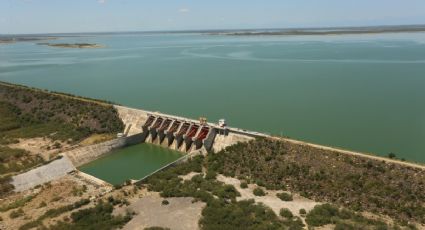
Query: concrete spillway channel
x,y
146,126
161,131
203,133
179,136
154,129
188,138
170,133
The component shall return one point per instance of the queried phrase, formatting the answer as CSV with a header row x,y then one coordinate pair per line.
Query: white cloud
x,y
184,10
101,1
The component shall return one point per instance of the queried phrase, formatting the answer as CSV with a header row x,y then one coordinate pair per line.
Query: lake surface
x,y
359,92
134,162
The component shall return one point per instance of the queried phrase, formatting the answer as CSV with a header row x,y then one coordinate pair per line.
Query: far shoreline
x,y
73,45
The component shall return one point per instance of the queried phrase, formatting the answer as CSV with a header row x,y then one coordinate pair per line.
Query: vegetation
x,y
240,215
244,185
5,186
284,196
156,228
354,182
33,109
16,213
284,212
28,113
343,219
54,213
98,217
259,192
15,160
222,210
17,204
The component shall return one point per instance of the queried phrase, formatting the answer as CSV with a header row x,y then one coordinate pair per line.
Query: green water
x,y
359,92
133,162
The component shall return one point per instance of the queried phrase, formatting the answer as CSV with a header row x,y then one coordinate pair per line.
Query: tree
x,y
391,155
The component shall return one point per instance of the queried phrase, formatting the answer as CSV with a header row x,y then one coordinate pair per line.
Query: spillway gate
x,y
181,135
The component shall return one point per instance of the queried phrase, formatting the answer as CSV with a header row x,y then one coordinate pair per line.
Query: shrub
x,y
156,228
259,192
42,204
211,175
57,198
98,217
17,204
16,214
321,215
285,196
165,202
391,155
244,185
303,212
284,212
240,215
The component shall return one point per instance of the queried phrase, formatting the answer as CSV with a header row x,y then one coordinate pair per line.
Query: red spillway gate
x,y
157,123
149,121
184,129
193,131
174,127
203,133
165,125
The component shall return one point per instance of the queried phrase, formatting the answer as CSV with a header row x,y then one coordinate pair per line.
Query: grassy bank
x,y
354,182
61,118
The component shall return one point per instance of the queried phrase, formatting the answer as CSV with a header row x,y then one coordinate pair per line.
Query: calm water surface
x,y
360,92
133,162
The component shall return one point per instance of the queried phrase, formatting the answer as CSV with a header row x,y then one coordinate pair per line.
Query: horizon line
x,y
217,30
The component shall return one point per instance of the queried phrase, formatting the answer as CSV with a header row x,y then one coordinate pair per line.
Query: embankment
x,y
52,171
84,155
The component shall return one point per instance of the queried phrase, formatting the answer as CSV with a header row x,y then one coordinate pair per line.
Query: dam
x,y
152,141
180,133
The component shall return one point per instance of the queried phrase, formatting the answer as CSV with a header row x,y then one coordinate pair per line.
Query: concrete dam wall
x,y
84,155
179,133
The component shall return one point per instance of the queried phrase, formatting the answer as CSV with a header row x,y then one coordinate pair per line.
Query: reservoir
x,y
134,162
359,92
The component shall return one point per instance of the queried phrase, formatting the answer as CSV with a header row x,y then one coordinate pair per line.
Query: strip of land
x,y
73,45
326,31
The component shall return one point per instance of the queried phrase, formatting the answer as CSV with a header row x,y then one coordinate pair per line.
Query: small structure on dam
x,y
179,134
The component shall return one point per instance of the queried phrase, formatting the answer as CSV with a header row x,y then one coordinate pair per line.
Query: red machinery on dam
x,y
182,135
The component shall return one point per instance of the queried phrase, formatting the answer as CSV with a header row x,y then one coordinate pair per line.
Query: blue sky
x,y
54,16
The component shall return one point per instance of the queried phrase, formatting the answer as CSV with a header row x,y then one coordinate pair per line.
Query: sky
x,y
67,16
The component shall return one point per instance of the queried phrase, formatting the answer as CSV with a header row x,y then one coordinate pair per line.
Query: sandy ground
x,y
96,138
39,146
189,175
270,199
55,194
179,214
